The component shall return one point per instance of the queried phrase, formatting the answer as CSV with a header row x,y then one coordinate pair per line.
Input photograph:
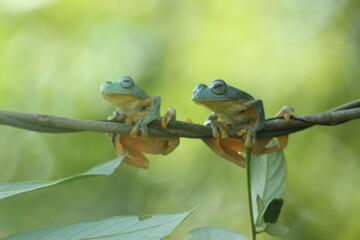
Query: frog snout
x,y
104,85
198,89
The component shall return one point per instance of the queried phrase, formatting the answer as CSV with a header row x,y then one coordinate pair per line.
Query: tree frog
x,y
135,106
237,110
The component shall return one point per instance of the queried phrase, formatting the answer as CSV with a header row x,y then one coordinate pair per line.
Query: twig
x,y
273,127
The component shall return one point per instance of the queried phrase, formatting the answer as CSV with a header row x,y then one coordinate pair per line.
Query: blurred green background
x,y
55,54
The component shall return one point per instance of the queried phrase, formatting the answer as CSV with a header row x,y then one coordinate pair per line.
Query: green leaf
x,y
260,209
272,211
268,179
215,233
276,229
120,227
10,189
260,204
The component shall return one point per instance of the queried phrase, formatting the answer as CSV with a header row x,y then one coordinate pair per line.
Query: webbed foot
x,y
141,124
287,112
218,130
250,139
134,131
169,115
117,116
250,136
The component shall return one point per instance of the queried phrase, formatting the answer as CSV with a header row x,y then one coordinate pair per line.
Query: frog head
x,y
122,92
219,96
217,91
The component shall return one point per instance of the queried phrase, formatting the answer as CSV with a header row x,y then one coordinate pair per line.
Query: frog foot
x,y
169,115
143,123
117,116
114,138
250,138
286,112
134,131
218,130
288,115
241,132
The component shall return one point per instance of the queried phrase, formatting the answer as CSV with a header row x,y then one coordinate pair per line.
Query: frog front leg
x,y
255,110
169,115
218,129
118,116
153,114
286,112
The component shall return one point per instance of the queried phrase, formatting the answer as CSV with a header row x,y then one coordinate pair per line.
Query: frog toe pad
x,y
170,115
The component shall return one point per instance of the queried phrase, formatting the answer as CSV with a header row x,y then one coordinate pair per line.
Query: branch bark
x,y
274,127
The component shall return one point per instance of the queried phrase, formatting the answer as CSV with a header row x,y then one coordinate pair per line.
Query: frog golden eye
x,y
126,82
218,87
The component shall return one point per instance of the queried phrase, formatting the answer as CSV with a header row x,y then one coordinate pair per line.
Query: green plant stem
x,y
248,182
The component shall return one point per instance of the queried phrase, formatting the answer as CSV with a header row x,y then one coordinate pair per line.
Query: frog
x,y
238,111
135,106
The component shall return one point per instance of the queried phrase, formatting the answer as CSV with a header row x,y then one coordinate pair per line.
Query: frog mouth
x,y
120,99
110,93
197,100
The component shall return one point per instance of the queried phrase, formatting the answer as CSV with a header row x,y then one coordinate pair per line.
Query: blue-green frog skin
x,y
240,111
233,106
132,102
134,105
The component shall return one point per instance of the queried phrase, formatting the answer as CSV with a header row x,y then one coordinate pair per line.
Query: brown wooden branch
x,y
273,127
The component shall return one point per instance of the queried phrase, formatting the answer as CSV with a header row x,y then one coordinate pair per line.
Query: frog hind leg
x,y
135,158
287,112
171,144
254,109
228,148
115,140
282,142
154,114
163,145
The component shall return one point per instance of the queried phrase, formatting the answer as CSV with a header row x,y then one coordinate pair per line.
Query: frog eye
x,y
126,82
218,87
